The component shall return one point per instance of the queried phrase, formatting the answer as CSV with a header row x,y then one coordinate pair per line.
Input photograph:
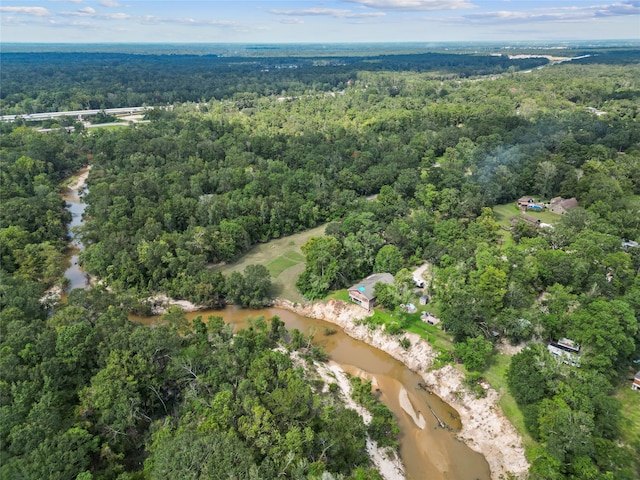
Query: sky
x,y
329,21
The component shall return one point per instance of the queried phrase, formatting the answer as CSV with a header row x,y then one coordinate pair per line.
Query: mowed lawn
x,y
282,257
630,424
496,375
504,212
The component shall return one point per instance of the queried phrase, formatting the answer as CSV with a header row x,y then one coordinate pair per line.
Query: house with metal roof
x,y
561,205
362,293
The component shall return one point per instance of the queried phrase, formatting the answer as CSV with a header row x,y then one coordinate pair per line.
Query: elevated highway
x,y
80,114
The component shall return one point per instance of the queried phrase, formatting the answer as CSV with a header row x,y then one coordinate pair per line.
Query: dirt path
x,y
484,427
419,273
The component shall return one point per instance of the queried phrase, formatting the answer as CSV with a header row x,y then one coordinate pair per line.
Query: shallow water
x,y
75,274
432,453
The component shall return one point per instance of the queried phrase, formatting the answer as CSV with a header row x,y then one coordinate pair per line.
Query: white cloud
x,y
31,11
291,21
82,12
559,14
89,12
109,3
619,8
415,5
115,16
327,12
154,20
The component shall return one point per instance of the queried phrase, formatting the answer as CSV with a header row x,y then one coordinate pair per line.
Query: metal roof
x,y
365,287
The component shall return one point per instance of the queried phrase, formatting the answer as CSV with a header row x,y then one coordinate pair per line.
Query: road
x,y
31,117
94,125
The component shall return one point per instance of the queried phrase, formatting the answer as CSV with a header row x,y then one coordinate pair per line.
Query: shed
x,y
530,219
362,293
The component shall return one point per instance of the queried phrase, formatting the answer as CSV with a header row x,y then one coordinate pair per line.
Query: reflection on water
x,y
429,453
75,205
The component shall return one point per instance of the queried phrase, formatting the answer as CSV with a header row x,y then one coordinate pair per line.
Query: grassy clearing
x,y
106,126
282,257
431,333
287,260
630,424
505,212
410,322
496,375
546,216
340,295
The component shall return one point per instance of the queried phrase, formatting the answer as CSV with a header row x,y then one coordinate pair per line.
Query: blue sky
x,y
263,21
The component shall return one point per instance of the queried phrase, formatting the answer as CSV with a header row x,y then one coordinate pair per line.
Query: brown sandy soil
x,y
387,463
160,304
78,181
52,296
484,427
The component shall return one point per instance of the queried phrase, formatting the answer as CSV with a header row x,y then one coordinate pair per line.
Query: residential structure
x,y
561,205
362,293
569,345
636,382
567,351
524,202
564,356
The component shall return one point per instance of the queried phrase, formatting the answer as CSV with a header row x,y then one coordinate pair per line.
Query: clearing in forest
x,y
282,257
506,211
630,424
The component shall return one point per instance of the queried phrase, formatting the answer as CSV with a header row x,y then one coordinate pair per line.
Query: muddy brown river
x,y
429,453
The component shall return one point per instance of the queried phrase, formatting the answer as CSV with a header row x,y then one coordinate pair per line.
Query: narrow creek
x,y
428,451
73,196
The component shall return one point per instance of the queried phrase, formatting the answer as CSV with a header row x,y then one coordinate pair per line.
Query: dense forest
x,y
404,158
76,81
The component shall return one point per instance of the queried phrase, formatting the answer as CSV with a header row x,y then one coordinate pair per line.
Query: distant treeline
x,y
43,82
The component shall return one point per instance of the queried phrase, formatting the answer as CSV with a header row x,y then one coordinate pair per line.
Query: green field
x,y
504,212
409,322
496,375
282,257
630,424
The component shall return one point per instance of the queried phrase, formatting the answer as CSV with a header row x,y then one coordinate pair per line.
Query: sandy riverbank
x,y
484,428
161,303
387,463
78,182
